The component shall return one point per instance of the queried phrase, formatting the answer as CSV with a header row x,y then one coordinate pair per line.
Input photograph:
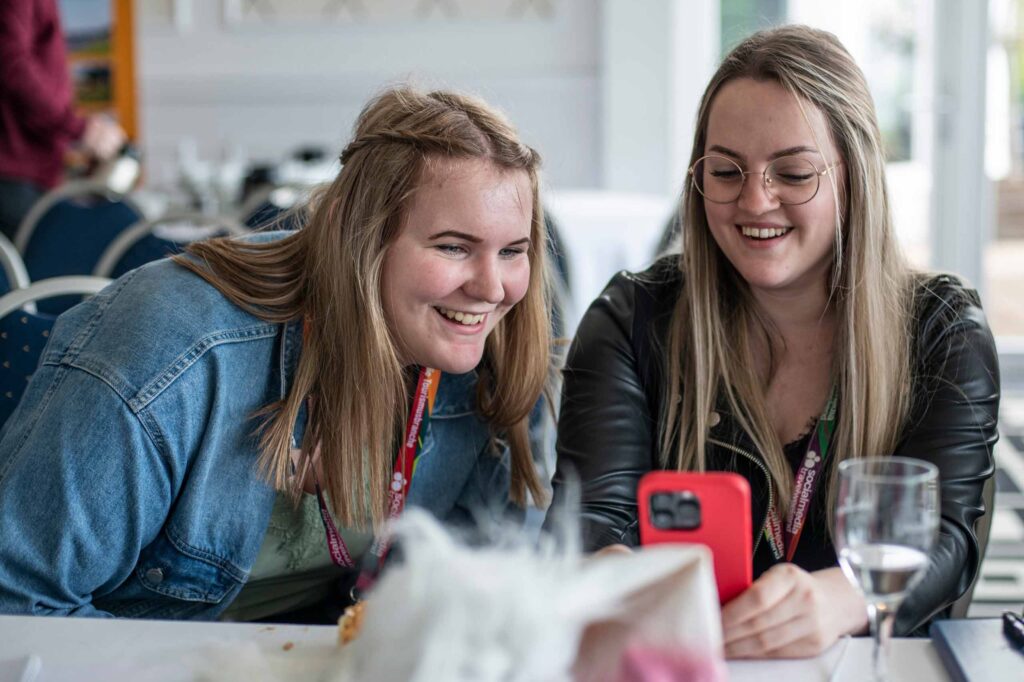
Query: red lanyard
x,y
398,490
807,477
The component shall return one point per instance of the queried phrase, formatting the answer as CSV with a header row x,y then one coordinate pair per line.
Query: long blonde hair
x,y
329,273
716,321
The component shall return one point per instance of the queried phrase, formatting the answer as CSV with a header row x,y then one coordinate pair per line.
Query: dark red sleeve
x,y
36,82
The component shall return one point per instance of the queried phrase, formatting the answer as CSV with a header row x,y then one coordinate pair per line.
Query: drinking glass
x,y
887,518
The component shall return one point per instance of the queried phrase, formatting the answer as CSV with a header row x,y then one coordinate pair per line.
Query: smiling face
x,y
460,262
773,246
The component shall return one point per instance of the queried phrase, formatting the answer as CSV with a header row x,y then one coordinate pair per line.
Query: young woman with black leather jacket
x,y
790,294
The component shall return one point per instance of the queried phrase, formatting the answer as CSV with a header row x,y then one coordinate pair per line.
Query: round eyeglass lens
x,y
792,179
718,179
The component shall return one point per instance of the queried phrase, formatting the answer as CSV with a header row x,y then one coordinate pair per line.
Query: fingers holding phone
x,y
611,550
787,612
790,613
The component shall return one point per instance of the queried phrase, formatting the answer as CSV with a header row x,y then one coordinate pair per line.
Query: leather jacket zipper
x,y
767,478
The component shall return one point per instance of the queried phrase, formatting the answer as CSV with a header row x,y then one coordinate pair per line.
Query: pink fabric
x,y
37,116
650,664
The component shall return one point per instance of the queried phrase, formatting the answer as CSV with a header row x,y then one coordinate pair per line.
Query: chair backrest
x,y
12,269
269,208
23,333
68,229
558,264
982,529
151,240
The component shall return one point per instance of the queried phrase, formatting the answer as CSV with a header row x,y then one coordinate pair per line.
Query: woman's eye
x,y
794,178
451,249
725,175
512,252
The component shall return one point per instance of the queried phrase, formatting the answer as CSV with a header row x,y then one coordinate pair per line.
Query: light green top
x,y
294,568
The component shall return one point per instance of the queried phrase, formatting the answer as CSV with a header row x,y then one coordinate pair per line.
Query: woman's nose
x,y
755,197
485,281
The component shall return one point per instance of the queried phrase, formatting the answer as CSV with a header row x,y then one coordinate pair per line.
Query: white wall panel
x,y
264,88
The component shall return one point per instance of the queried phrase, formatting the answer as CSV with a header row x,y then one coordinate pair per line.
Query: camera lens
x,y
687,512
664,520
663,502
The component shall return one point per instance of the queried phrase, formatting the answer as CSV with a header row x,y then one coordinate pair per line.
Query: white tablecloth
x,y
158,651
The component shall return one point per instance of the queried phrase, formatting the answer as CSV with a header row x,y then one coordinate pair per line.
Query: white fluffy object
x,y
511,612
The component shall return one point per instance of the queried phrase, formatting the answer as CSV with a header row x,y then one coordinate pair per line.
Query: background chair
x,y
558,259
68,230
12,269
151,240
23,333
272,208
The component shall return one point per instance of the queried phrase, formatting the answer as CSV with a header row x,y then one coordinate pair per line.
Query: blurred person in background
x,y
38,121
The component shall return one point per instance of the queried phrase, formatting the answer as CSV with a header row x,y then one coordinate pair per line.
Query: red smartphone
x,y
711,509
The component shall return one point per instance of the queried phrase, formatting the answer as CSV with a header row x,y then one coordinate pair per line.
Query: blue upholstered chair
x,y
150,240
24,332
68,230
12,269
560,281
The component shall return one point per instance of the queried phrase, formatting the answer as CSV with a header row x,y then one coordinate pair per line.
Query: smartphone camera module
x,y
678,510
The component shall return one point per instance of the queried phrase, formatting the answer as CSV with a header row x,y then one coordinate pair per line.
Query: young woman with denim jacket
x,y
164,457
790,288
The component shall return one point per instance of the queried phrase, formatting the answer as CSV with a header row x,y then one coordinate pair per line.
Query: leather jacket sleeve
x,y
606,434
953,425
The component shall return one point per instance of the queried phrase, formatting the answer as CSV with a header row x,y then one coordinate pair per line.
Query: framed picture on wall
x,y
100,42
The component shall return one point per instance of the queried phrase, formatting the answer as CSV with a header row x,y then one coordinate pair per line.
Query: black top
x,y
814,550
613,392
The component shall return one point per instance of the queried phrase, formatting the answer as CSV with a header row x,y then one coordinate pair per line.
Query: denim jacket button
x,y
713,419
155,575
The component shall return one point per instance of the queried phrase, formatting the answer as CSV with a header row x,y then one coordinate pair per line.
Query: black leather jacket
x,y
608,431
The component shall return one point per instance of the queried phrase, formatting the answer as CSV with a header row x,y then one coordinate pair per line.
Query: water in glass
x,y
886,524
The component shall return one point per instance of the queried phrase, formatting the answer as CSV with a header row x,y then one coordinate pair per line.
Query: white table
x,y
93,649
848,661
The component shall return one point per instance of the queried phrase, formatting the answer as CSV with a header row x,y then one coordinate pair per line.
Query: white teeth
x,y
468,319
764,232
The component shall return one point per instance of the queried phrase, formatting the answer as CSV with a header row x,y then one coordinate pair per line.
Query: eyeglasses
x,y
790,179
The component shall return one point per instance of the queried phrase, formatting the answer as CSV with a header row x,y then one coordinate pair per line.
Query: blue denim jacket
x,y
128,484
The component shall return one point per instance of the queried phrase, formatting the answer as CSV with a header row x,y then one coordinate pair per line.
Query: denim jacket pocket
x,y
183,574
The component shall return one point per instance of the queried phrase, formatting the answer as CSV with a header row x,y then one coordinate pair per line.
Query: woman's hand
x,y
612,549
790,613
609,550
